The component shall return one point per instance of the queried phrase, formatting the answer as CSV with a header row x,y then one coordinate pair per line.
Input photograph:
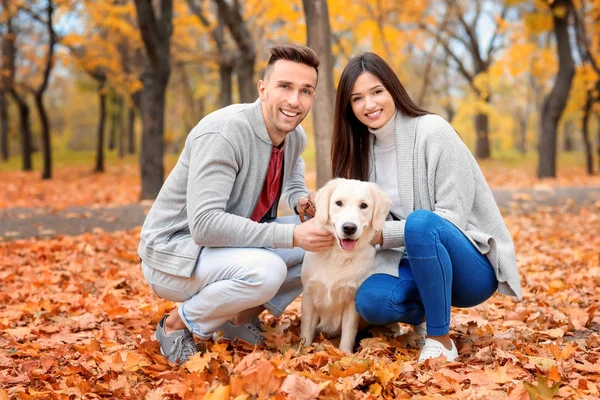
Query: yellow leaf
x,y
219,393
375,389
198,362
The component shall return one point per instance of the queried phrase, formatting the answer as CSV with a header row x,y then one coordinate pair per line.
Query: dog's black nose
x,y
349,228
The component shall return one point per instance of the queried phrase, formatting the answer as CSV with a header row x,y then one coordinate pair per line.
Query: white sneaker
x,y
434,349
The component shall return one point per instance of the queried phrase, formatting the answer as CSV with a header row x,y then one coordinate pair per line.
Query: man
x,y
212,240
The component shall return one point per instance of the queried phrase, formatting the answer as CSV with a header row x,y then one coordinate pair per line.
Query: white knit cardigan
x,y
437,172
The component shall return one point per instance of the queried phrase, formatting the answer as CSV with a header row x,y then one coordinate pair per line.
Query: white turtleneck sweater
x,y
386,168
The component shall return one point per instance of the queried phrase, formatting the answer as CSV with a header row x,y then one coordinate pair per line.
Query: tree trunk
x,y
318,32
589,160
225,76
112,136
226,62
39,94
8,53
156,33
153,109
245,77
25,124
568,145
482,143
4,125
598,139
131,130
101,123
523,134
121,121
555,102
46,142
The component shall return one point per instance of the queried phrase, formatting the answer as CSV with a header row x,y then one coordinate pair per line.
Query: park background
x,y
98,96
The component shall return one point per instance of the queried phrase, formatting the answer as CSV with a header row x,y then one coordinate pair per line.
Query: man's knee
x,y
266,273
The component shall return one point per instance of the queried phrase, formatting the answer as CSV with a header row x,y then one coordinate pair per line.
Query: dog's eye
x,y
338,203
363,205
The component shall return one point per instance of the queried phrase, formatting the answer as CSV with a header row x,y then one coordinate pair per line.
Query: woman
x,y
445,243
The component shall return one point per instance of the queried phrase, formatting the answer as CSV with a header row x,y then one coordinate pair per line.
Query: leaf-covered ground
x,y
77,319
119,185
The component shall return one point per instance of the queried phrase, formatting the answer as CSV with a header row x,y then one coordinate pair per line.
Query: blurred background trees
x,y
515,78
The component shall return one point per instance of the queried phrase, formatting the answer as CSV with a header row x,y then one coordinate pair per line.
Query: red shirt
x,y
271,186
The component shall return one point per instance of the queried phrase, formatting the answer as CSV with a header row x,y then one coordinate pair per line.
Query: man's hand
x,y
311,236
305,206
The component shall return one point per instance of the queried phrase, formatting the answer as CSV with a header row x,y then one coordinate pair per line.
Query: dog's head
x,y
352,209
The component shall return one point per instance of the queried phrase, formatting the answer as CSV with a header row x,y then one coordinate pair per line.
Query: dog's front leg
x,y
350,321
310,319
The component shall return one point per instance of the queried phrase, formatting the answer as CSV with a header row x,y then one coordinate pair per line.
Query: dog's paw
x,y
347,350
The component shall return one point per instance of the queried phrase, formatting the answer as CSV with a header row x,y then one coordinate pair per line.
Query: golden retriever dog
x,y
352,211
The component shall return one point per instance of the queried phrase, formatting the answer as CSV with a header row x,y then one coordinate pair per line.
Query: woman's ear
x,y
381,207
322,201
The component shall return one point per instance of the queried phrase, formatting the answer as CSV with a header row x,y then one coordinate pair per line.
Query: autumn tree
x,y
44,16
232,16
156,28
106,50
318,34
225,55
457,30
556,100
6,57
589,52
10,54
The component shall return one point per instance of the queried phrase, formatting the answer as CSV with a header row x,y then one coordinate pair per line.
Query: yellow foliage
x,y
538,22
482,84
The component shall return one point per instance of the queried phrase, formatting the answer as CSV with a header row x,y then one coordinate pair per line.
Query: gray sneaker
x,y
249,332
177,346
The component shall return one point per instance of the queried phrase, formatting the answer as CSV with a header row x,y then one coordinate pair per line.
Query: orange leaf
x,y
219,393
300,388
553,375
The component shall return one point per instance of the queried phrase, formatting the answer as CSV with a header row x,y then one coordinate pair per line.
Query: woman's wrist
x,y
377,238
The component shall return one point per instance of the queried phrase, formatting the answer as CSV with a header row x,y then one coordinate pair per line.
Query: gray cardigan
x,y
209,196
437,172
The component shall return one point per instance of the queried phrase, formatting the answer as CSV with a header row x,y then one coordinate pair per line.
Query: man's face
x,y
287,95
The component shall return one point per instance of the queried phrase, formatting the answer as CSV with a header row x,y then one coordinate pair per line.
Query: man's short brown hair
x,y
292,52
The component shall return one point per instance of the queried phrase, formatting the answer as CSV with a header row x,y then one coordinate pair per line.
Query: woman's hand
x,y
377,238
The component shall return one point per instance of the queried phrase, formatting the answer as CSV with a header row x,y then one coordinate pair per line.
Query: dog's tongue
x,y
348,244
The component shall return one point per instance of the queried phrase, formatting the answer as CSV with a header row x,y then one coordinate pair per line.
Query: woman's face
x,y
371,102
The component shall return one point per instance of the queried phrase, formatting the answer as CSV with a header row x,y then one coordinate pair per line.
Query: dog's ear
x,y
381,206
322,201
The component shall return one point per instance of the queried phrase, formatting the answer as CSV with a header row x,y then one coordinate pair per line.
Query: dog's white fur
x,y
331,278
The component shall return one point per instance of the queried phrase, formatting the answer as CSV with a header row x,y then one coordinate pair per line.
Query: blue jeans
x,y
443,269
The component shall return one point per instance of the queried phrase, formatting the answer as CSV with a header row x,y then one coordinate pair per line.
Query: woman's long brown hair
x,y
350,142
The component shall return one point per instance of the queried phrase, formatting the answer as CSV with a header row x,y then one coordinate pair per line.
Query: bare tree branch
x,y
237,27
147,23
463,70
50,56
491,48
470,31
583,41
